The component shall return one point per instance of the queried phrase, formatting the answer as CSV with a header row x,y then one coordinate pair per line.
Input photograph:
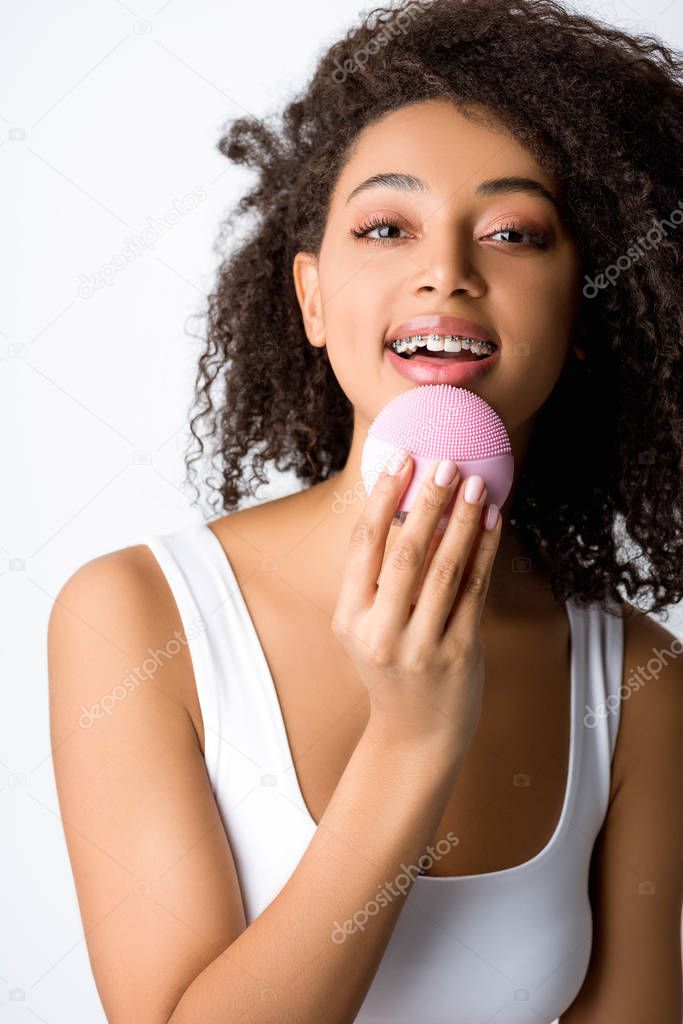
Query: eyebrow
x,y
490,187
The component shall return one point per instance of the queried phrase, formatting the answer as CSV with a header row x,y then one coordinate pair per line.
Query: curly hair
x,y
601,111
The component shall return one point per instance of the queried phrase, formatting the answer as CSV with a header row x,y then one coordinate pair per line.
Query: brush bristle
x,y
438,421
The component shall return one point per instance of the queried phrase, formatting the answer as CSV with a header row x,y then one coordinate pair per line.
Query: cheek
x,y
350,358
357,313
528,374
358,283
535,346
346,292
538,330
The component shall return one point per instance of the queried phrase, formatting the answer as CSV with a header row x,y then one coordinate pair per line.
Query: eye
x,y
380,223
374,224
540,241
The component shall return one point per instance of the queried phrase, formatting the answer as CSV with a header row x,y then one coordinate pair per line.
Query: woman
x,y
453,794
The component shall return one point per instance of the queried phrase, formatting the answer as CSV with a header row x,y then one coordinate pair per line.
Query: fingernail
x,y
396,462
445,472
474,488
491,517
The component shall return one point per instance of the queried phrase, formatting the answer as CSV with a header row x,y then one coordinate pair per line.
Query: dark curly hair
x,y
601,111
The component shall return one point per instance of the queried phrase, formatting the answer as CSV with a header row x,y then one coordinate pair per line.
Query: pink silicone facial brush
x,y
439,421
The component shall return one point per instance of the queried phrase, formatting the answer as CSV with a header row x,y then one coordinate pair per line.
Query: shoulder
x,y
652,653
648,758
636,875
127,572
108,614
651,696
120,589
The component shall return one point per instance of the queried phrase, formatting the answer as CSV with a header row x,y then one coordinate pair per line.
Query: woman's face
x,y
504,260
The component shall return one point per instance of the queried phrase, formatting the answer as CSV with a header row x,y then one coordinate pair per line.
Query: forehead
x,y
435,141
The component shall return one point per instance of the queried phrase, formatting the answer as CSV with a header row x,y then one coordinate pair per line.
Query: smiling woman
x,y
455,844
504,150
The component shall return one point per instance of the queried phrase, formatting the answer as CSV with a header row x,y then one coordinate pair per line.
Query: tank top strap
x,y
599,666
600,662
597,661
198,592
244,736
246,753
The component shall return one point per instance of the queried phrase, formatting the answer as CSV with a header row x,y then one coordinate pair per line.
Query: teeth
x,y
440,343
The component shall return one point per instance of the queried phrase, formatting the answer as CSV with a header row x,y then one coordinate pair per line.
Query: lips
x,y
464,356
457,369
428,370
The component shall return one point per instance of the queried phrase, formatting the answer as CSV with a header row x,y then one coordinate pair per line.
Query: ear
x,y
579,350
307,287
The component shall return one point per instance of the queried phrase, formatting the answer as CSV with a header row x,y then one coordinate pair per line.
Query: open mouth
x,y
443,348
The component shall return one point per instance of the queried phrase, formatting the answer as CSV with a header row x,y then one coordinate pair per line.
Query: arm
x,y
636,881
154,874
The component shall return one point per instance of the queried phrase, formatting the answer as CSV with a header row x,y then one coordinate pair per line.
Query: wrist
x,y
441,746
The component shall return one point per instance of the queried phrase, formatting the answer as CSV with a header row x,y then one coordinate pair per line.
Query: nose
x,y
445,264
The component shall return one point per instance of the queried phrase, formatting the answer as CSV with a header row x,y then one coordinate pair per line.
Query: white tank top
x,y
504,947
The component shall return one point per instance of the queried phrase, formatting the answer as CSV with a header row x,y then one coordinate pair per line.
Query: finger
x,y
465,615
366,546
443,577
404,562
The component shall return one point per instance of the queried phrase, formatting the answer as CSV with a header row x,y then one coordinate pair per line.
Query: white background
x,y
109,113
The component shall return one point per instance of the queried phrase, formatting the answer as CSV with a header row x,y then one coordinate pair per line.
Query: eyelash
x,y
539,241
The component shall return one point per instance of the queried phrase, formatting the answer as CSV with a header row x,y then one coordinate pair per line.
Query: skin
x,y
439,261
185,932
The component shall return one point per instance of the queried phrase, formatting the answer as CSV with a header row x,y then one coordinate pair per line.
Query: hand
x,y
424,670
